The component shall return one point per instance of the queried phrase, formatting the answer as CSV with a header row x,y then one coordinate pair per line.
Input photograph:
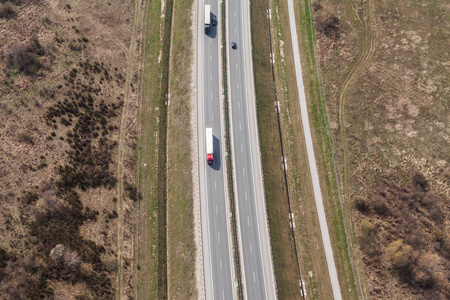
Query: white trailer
x,y
209,146
207,18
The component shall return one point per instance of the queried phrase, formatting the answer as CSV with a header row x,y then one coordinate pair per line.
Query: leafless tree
x,y
71,259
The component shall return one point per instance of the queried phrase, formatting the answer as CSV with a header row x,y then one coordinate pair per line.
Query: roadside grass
x,y
307,230
282,242
309,244
181,243
151,256
387,107
324,156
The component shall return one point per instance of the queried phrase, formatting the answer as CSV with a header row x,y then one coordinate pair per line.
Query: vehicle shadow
x,y
217,155
213,29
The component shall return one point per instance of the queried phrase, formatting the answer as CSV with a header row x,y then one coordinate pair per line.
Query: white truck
x,y
209,146
207,18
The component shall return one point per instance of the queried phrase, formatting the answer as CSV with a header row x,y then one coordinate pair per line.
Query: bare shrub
x,y
433,204
379,206
71,259
327,23
368,238
25,136
7,11
30,197
419,180
361,204
399,255
22,57
424,273
316,5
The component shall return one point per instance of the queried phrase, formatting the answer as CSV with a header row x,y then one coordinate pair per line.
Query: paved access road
x,y
311,157
254,243
217,254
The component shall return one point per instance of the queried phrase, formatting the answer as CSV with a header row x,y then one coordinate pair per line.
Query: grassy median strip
x,y
152,262
181,248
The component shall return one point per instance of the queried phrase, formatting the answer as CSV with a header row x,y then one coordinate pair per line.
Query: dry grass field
x,y
385,70
66,79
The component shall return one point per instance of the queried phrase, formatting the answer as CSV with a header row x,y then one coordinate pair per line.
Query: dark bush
x,y
432,202
113,215
361,205
30,198
379,206
368,240
23,57
7,11
25,136
131,191
419,180
327,23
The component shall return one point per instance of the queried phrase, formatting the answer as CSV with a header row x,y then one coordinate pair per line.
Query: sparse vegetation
x,y
25,56
60,153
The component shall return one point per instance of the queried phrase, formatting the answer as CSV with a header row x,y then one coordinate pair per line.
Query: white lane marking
x,y
235,13
245,195
248,221
251,248
211,96
210,58
215,185
242,148
218,236
217,210
220,263
254,277
239,104
237,85
236,66
240,126
243,171
223,295
235,30
212,117
210,77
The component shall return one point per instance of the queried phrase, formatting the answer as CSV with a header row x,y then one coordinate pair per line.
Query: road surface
x,y
216,239
254,243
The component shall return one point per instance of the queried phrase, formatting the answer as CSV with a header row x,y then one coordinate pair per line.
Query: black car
x,y
233,45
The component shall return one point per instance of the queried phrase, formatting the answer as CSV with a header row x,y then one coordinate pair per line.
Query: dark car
x,y
233,45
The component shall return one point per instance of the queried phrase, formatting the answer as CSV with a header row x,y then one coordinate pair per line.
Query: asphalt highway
x,y
216,238
254,243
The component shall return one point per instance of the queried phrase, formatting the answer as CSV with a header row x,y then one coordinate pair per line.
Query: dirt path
x,y
367,47
133,65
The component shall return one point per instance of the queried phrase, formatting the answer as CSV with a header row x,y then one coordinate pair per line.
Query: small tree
x,y
424,273
399,256
368,239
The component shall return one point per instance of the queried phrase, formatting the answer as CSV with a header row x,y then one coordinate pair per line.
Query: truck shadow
x,y
217,155
213,29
